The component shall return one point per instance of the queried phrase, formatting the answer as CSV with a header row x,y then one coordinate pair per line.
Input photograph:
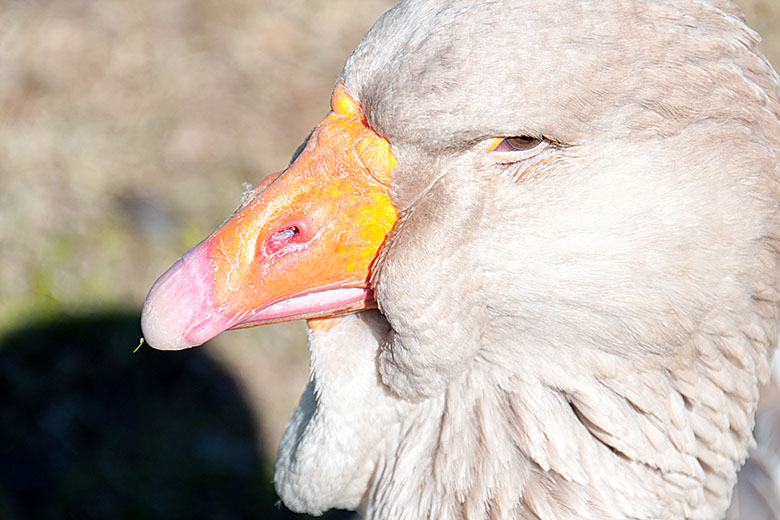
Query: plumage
x,y
757,494
575,330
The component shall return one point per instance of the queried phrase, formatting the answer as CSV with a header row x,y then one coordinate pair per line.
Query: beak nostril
x,y
285,234
281,238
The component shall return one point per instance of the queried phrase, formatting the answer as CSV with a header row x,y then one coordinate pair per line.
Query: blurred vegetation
x,y
127,130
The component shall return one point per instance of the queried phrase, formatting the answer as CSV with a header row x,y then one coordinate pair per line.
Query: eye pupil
x,y
520,143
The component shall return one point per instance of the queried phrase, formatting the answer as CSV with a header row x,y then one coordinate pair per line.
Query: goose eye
x,y
521,143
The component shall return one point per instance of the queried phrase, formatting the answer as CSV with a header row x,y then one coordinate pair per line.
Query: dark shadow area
x,y
89,430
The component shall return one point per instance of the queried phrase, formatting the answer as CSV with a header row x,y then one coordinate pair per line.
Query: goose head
x,y
566,215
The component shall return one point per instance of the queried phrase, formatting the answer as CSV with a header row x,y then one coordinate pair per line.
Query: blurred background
x,y
127,132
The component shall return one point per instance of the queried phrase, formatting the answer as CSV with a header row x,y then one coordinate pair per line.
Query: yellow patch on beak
x,y
302,245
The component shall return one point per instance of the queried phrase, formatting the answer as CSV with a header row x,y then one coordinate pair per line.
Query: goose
x,y
536,246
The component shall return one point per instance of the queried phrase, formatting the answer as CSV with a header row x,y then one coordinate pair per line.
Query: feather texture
x,y
584,342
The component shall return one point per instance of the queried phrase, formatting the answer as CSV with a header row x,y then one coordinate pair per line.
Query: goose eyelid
x,y
519,143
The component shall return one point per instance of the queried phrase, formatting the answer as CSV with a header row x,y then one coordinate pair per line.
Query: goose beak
x,y
301,245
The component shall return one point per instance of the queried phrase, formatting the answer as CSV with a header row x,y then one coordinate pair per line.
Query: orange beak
x,y
301,246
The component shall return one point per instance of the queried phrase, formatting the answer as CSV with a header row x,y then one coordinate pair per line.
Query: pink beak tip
x,y
179,311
